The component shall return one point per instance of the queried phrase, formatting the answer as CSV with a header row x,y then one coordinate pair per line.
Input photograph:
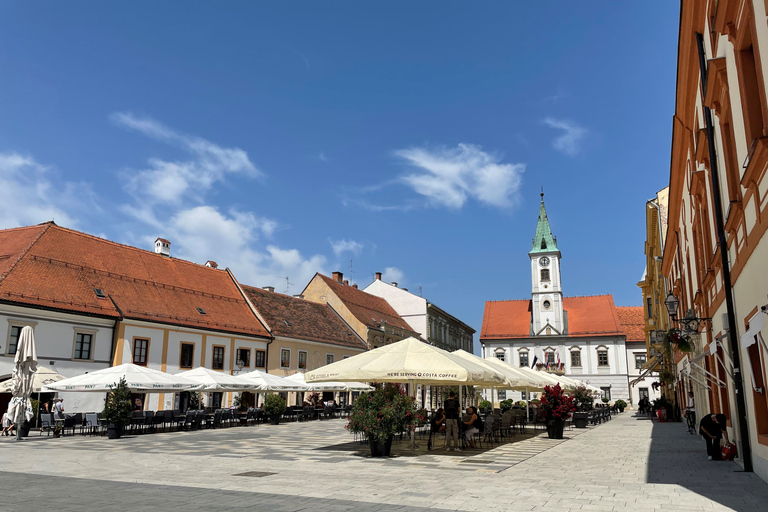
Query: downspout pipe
x,y
738,381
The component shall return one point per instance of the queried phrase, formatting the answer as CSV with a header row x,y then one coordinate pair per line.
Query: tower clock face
x,y
544,261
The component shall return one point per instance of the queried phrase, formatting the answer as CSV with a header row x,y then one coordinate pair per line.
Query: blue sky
x,y
412,138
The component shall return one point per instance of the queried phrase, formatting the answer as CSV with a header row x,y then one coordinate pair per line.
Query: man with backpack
x,y
452,422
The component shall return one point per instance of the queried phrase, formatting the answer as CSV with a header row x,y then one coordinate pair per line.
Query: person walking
x,y
452,422
712,429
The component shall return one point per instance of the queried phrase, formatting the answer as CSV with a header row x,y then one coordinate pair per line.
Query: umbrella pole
x,y
412,392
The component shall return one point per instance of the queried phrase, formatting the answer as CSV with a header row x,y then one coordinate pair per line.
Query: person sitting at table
x,y
470,428
437,421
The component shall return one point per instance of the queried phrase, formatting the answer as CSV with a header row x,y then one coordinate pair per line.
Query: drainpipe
x,y
727,286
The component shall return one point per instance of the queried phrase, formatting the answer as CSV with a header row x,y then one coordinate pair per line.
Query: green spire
x,y
543,241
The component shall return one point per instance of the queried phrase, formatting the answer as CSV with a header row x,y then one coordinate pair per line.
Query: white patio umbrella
x,y
330,386
20,407
513,379
211,380
138,378
40,378
263,381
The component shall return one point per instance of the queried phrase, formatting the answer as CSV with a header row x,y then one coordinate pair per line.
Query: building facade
x,y
581,337
716,255
434,324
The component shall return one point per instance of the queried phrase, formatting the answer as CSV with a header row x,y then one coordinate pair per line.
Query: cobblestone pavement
x,y
628,463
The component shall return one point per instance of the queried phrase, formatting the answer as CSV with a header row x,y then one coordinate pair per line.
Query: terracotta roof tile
x,y
298,318
633,320
367,308
587,316
14,243
62,267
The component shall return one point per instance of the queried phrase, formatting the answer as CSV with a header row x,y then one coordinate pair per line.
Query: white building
x,y
581,337
435,325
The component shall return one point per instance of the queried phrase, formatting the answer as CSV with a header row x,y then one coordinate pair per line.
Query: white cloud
x,y
171,182
393,274
452,175
573,134
322,157
31,194
344,245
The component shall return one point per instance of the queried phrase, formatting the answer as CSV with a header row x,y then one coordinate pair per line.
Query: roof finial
x,y
542,193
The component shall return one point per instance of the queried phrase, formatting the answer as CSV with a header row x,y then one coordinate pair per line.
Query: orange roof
x,y
298,318
369,309
587,316
61,268
633,320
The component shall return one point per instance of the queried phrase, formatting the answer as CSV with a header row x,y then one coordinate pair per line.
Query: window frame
x,y
332,358
283,351
644,355
146,352
263,354
243,350
11,324
606,392
603,350
545,275
182,344
500,352
298,361
223,356
578,355
520,355
91,348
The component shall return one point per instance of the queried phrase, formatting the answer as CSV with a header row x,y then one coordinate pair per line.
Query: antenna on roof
x,y
288,284
350,270
419,291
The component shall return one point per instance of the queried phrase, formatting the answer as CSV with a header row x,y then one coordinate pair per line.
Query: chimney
x,y
299,296
212,264
163,246
270,289
354,286
378,276
394,283
405,289
338,276
346,282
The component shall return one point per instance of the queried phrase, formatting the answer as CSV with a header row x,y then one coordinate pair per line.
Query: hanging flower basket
x,y
675,337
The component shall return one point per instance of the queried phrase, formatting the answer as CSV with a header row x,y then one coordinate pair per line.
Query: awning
x,y
756,324
654,362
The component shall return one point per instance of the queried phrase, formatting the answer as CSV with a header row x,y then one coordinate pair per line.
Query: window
x,y
329,358
549,358
642,392
545,274
140,351
201,311
218,358
543,244
602,358
13,341
83,345
345,357
649,305
640,359
546,304
285,358
523,395
302,359
243,357
524,359
500,355
502,395
187,357
214,399
260,359
99,293
575,358
606,392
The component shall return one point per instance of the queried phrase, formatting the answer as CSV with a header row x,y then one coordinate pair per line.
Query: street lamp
x,y
690,322
672,303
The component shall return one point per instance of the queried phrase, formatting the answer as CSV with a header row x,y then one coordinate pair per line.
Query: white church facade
x,y
583,337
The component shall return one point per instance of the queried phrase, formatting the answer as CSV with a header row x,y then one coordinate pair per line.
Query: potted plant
x,y
485,405
583,401
555,407
274,407
621,404
506,405
117,409
382,413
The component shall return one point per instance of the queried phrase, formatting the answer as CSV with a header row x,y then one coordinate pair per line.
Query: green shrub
x,y
117,405
384,412
620,403
485,405
506,405
274,405
583,399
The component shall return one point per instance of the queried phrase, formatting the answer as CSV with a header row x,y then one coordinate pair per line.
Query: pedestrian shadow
x,y
679,458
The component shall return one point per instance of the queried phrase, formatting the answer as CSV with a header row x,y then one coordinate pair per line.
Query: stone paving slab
x,y
628,463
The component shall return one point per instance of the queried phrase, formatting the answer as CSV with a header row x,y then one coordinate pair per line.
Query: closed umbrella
x,y
20,407
139,379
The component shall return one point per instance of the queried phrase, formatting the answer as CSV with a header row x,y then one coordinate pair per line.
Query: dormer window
x,y
543,244
99,293
201,311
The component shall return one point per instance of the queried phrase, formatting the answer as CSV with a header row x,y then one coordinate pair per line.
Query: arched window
x,y
500,355
602,356
524,357
543,244
575,356
545,274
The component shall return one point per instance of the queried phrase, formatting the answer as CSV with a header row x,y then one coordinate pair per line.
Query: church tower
x,y
547,314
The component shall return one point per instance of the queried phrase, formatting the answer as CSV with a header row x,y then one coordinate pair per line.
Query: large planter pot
x,y
580,419
380,448
555,429
24,429
274,420
114,431
621,409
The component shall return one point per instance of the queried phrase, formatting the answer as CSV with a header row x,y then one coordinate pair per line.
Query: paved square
x,y
628,463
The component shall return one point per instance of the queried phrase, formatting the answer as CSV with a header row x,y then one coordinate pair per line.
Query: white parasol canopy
x,y
330,386
263,381
40,378
20,407
514,379
138,378
213,380
410,360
